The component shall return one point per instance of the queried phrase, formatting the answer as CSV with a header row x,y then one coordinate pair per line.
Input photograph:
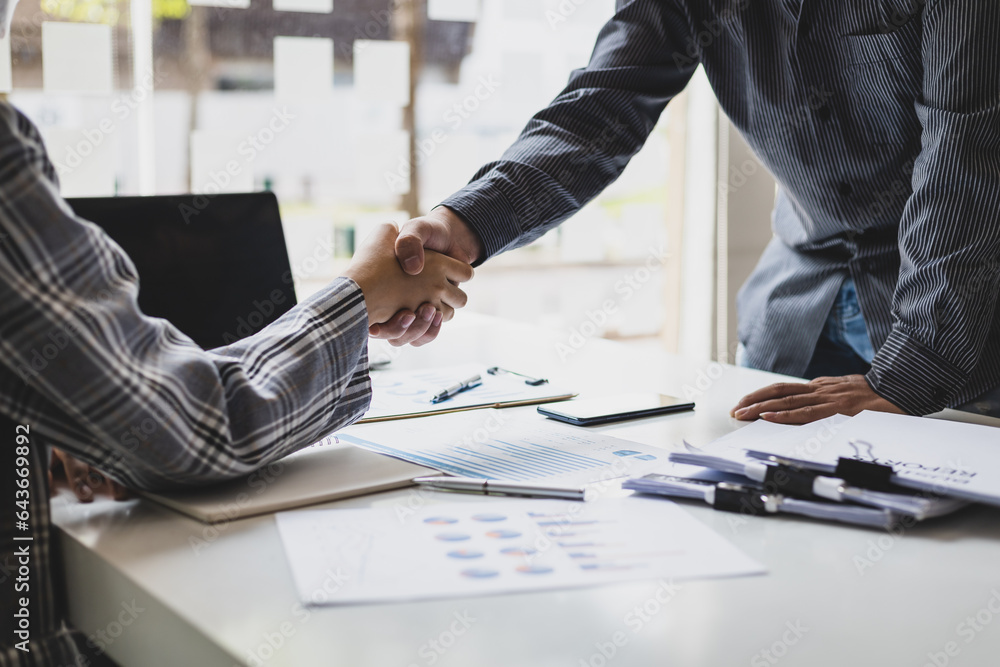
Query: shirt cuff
x,y
490,214
913,377
328,306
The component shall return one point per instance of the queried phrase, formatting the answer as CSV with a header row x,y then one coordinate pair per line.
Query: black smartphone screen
x,y
592,411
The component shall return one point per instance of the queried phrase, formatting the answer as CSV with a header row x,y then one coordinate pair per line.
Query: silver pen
x,y
464,385
486,486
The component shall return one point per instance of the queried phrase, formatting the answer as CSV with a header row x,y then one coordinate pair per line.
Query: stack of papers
x,y
927,455
930,468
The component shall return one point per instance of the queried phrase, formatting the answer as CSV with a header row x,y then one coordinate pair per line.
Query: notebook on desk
x,y
328,470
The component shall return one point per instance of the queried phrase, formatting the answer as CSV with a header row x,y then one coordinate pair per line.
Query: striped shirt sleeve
x,y
131,394
949,237
582,141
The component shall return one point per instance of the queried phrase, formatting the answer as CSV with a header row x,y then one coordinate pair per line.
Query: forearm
x,y
571,150
170,414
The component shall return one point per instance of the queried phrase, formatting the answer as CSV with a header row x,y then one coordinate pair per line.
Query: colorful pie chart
x,y
503,534
479,573
518,551
452,537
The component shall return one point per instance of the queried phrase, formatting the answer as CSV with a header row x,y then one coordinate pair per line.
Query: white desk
x,y
853,596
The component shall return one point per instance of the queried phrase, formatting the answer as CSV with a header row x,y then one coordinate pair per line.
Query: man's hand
x,y
84,480
441,230
794,403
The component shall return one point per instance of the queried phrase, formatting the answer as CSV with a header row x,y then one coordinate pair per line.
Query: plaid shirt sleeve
x,y
131,394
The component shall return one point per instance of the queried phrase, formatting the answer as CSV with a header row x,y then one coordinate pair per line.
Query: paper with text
x,y
942,457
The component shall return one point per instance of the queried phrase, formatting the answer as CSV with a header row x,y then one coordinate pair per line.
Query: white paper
x,y
314,6
409,392
217,165
948,458
85,160
382,71
496,444
734,445
303,68
6,77
453,10
225,4
466,549
76,58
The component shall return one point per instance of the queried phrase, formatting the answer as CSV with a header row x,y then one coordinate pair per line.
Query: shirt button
x,y
844,189
824,112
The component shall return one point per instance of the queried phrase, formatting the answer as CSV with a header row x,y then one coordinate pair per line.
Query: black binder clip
x,y
789,480
865,474
739,499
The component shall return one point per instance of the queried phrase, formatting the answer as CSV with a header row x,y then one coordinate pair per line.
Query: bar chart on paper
x,y
490,445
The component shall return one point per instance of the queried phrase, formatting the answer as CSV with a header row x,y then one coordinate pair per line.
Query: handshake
x,y
410,277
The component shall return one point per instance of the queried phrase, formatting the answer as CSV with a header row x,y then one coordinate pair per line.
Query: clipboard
x,y
408,394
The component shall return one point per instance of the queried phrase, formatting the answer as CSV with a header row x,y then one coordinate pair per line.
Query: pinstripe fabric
x,y
880,119
130,394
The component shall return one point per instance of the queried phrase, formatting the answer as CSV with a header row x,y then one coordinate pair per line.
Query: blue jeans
x,y
844,348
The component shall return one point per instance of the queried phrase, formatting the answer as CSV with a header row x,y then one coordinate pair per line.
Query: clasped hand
x,y
420,244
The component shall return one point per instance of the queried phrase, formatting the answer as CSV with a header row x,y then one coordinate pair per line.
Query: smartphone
x,y
592,411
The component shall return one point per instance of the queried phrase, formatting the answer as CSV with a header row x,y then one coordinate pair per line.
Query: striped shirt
x,y
880,120
83,369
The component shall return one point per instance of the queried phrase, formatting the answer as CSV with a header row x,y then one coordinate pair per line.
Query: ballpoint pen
x,y
464,385
486,486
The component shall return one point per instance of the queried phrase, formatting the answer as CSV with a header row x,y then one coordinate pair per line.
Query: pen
x,y
464,385
486,486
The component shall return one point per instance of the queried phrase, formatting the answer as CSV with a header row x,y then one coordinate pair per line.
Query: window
x,y
353,112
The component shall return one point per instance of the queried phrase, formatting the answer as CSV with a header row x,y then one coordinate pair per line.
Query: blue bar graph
x,y
517,459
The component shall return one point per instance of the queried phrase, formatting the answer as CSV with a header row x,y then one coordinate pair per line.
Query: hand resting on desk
x,y
801,403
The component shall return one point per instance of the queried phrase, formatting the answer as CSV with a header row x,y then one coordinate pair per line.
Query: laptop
x,y
215,266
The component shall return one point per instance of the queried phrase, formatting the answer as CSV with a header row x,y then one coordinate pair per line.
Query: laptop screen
x,y
215,266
